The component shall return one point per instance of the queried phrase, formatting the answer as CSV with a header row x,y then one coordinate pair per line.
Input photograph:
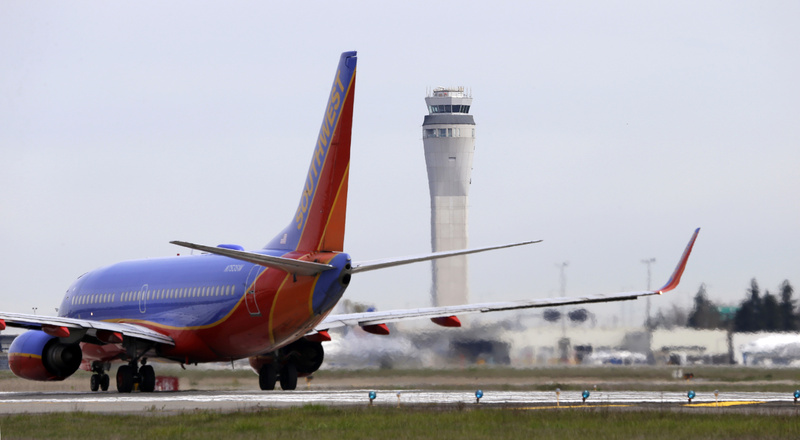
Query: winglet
x,y
676,276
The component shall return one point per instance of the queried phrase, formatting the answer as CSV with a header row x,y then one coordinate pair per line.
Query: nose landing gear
x,y
99,379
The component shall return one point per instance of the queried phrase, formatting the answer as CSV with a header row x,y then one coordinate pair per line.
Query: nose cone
x,y
331,285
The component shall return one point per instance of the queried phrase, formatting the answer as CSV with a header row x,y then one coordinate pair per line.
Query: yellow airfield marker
x,y
753,402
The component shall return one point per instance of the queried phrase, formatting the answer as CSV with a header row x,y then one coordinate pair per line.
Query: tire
x,y
94,382
104,380
125,379
267,377
289,377
148,379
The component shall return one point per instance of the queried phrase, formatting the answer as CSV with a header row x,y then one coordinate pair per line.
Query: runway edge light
x,y
558,396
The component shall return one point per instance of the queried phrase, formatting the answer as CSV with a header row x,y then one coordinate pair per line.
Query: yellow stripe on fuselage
x,y
172,327
24,355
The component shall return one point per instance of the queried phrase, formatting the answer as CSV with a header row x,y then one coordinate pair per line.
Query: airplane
x,y
271,306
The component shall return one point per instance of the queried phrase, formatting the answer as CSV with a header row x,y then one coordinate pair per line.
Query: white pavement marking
x,y
46,402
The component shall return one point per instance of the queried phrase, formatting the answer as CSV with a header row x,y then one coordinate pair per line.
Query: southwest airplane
x,y
270,305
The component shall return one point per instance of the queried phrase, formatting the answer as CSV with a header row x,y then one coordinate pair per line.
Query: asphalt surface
x,y
226,401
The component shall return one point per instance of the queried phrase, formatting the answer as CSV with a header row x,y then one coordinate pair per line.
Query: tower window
x,y
442,132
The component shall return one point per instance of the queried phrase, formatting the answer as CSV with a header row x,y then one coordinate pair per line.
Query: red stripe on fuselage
x,y
283,302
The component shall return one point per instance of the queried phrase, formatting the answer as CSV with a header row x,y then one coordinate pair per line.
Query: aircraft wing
x,y
382,317
72,327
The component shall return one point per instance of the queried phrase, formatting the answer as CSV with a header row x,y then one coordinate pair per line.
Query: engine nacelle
x,y
35,355
306,355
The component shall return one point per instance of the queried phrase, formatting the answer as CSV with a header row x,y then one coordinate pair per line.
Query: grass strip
x,y
320,423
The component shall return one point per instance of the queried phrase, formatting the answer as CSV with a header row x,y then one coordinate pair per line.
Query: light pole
x,y
563,343
563,278
648,262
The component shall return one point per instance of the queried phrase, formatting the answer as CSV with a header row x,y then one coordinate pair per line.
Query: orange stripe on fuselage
x,y
333,234
272,308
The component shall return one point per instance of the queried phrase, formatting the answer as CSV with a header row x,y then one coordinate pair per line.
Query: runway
x,y
112,402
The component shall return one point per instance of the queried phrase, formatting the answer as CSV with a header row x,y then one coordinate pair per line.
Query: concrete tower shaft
x,y
448,136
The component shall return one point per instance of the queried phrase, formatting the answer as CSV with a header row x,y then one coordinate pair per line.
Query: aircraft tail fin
x,y
319,222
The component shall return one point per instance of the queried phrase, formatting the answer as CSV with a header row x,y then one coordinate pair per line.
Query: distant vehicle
x,y
270,305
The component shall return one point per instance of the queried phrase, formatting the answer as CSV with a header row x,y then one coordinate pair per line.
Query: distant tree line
x,y
757,312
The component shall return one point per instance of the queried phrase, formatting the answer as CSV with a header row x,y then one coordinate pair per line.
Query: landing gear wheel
x,y
267,377
148,379
94,382
125,379
289,377
104,380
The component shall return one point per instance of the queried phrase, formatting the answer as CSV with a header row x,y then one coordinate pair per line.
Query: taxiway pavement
x,y
226,401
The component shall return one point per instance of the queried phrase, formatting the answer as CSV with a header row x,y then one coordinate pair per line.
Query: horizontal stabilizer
x,y
391,262
290,265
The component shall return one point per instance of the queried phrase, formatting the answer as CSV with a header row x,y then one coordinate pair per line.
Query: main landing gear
x,y
130,375
269,374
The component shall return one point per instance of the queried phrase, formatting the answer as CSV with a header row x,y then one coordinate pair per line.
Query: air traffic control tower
x,y
448,135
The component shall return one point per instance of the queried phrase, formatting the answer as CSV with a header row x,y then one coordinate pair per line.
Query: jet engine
x,y
307,356
35,355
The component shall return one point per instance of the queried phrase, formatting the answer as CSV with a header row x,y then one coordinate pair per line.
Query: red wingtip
x,y
676,275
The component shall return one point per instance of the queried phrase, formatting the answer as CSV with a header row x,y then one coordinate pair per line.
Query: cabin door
x,y
250,290
144,292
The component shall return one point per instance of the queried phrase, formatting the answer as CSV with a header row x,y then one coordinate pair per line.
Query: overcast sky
x,y
608,129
